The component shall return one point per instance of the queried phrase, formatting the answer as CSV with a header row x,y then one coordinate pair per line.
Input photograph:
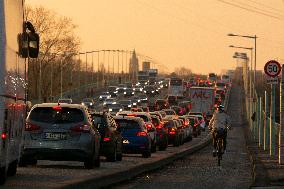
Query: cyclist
x,y
219,124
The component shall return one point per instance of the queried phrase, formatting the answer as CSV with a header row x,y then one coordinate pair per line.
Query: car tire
x,y
190,138
146,154
163,146
91,161
3,175
113,156
97,162
154,147
12,169
176,142
25,162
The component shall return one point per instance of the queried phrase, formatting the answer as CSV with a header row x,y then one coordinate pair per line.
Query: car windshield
x,y
125,102
114,106
51,115
127,124
87,100
105,93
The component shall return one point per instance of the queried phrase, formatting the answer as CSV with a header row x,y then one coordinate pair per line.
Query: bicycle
x,y
220,149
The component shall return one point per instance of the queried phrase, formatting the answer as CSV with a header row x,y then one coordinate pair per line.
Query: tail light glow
x,y
4,136
141,133
81,128
148,126
106,139
31,127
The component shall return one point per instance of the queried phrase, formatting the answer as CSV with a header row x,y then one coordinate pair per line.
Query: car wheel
x,y
176,141
12,170
154,147
97,162
25,162
90,162
190,138
3,175
113,156
163,146
146,154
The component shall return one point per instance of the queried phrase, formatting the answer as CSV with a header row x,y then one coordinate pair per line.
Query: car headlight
x,y
110,110
124,88
82,103
120,109
145,92
114,103
115,92
129,106
104,103
134,103
124,93
138,100
101,97
91,104
153,91
133,93
141,89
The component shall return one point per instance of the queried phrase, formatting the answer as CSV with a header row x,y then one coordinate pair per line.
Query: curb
x,y
125,175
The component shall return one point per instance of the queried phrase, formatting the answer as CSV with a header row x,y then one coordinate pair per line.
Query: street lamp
x,y
250,37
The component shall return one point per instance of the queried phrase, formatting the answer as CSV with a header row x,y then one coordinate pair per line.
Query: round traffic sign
x,y
272,68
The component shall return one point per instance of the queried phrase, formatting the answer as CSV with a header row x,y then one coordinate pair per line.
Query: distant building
x,y
133,67
145,66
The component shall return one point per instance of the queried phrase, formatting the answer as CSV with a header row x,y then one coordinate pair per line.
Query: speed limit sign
x,y
272,68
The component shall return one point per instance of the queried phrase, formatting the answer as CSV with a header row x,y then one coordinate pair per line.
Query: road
x,y
200,170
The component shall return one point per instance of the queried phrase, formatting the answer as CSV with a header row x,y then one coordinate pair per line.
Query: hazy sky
x,y
190,33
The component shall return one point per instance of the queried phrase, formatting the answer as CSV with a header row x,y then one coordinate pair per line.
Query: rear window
x,y
169,124
144,117
155,121
127,124
49,115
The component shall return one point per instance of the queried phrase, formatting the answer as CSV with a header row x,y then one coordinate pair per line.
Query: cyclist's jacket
x,y
220,120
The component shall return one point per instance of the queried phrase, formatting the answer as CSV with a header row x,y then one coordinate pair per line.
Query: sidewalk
x,y
266,170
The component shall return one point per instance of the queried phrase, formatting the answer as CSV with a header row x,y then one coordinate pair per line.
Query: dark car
x,y
127,104
136,139
179,110
111,143
88,102
196,128
128,92
112,91
161,104
162,134
150,90
174,134
172,100
187,127
186,105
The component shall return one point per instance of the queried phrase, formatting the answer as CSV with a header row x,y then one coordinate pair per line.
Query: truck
x,y
18,41
202,99
143,77
153,75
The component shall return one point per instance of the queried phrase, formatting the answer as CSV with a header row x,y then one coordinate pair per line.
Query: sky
x,y
175,33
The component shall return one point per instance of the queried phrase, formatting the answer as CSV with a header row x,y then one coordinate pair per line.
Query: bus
x,y
176,87
15,40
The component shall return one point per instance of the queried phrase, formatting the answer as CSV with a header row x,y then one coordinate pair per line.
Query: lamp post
x,y
250,37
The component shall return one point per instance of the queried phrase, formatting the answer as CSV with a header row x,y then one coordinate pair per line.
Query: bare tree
x,y
58,46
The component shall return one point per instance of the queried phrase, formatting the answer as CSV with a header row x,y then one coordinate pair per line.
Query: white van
x,y
12,85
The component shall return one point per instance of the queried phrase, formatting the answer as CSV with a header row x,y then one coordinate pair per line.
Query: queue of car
x,y
126,124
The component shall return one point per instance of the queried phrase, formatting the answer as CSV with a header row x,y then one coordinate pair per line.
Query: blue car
x,y
136,139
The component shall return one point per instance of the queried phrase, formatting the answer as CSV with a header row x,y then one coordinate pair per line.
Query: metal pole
x,y
92,66
254,59
61,78
98,76
272,121
281,134
260,124
51,81
108,72
39,87
266,125
79,74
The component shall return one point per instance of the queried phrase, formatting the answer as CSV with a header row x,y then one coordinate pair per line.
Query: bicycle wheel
x,y
219,150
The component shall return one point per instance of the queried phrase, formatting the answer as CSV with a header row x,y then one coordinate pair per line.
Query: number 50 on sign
x,y
272,68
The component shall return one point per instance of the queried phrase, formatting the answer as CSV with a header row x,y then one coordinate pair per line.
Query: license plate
x,y
125,142
56,136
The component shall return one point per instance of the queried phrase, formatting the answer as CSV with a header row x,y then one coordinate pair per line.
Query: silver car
x,y
61,133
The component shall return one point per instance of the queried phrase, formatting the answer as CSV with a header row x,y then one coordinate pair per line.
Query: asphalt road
x,y
200,170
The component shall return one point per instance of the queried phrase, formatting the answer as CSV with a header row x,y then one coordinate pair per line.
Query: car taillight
x,y
81,128
172,131
31,127
141,133
159,126
196,124
106,139
148,126
4,136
